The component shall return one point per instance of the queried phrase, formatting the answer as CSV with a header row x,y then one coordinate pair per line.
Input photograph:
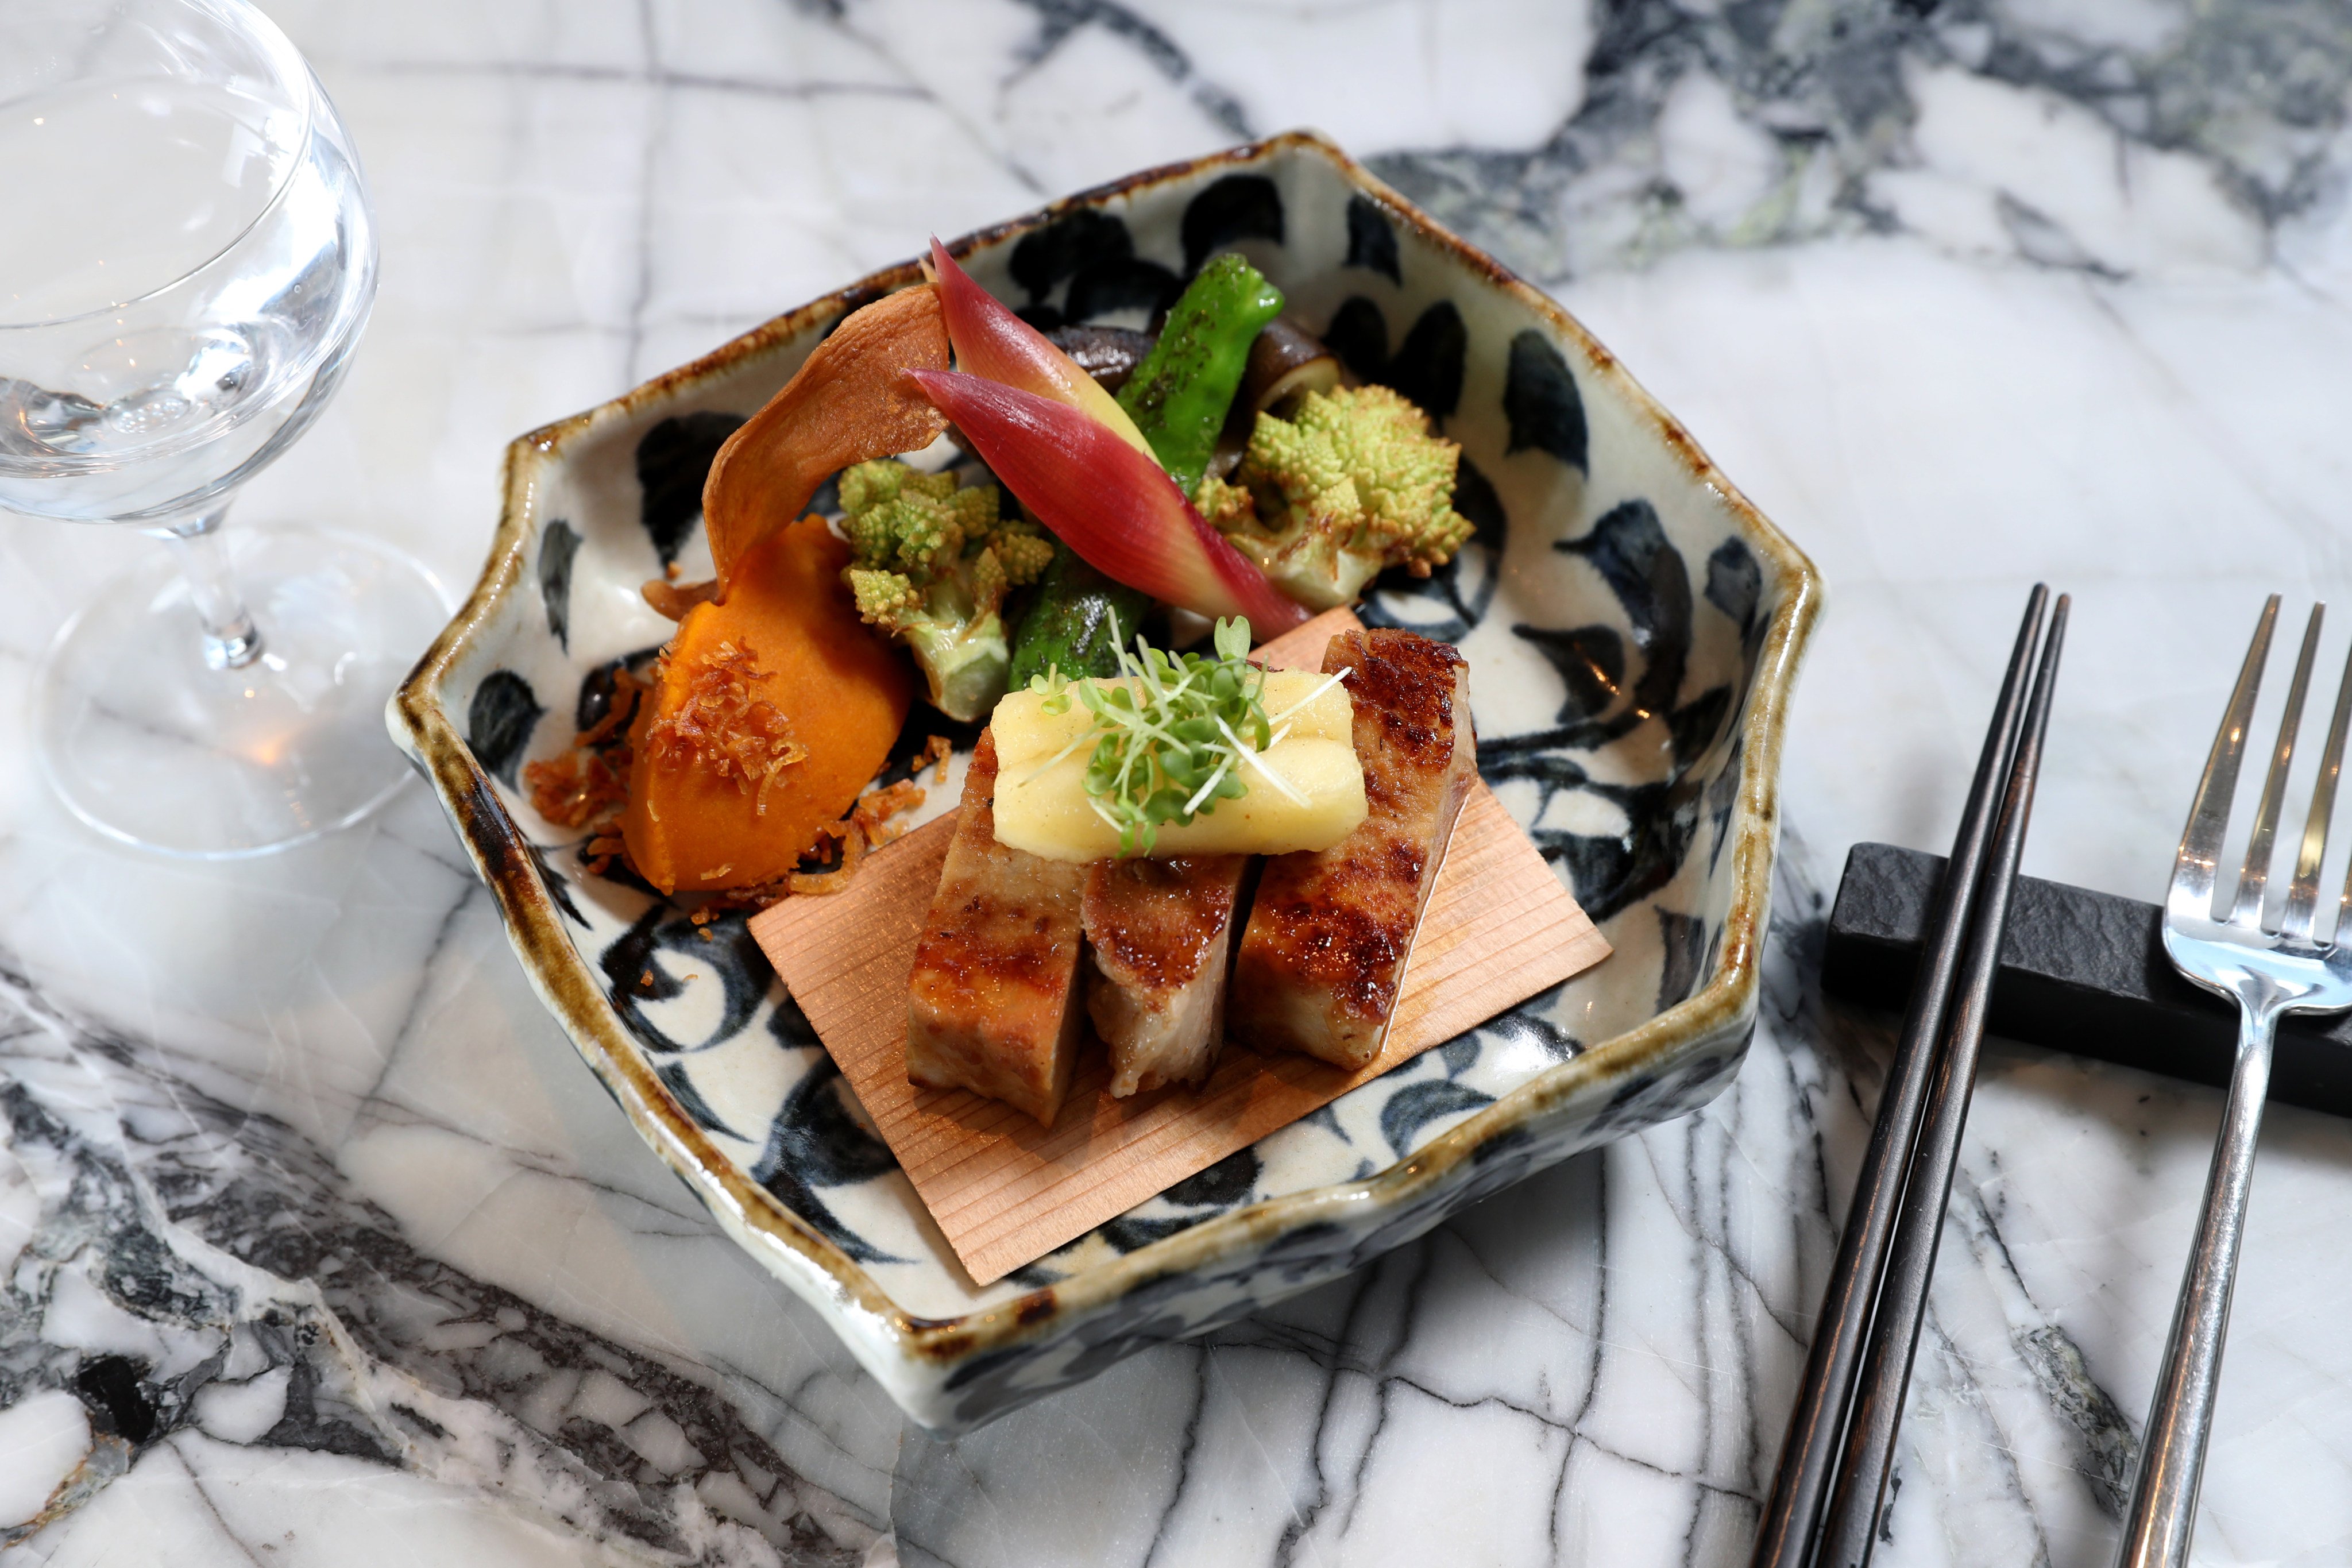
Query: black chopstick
x,y
1817,1425
1849,1529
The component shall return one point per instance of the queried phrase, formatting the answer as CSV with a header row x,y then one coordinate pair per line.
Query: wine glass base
x,y
149,745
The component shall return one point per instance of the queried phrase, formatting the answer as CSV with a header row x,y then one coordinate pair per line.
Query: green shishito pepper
x,y
1069,625
1179,396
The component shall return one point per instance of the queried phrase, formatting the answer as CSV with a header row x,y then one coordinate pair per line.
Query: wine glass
x,y
186,261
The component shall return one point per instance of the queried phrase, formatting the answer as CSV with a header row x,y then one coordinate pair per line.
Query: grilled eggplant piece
x,y
1325,949
992,1004
1161,931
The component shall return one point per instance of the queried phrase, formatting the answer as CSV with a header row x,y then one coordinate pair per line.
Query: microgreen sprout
x,y
1171,734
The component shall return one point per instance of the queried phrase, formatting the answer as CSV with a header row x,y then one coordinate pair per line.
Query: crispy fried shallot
x,y
722,726
671,600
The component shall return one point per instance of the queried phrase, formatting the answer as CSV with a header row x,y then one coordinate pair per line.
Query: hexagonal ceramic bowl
x,y
1633,625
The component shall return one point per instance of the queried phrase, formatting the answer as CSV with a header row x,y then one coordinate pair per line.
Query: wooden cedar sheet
x,y
1499,930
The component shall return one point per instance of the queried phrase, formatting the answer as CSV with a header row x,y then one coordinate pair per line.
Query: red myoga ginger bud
x,y
1107,500
993,344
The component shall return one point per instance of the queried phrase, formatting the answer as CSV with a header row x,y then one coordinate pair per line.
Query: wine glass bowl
x,y
188,266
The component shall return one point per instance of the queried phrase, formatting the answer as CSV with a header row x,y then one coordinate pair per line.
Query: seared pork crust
x,y
991,1006
1325,949
1160,932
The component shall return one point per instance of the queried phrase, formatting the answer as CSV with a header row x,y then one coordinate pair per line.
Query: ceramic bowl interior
x,y
1632,625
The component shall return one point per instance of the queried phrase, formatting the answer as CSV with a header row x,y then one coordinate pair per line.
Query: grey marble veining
x,y
317,1245
1989,125
191,1271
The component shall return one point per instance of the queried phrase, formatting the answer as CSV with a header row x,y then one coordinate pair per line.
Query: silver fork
x,y
2270,975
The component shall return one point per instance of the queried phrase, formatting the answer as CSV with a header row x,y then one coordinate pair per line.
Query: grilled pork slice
x,y
1326,945
991,1004
1161,933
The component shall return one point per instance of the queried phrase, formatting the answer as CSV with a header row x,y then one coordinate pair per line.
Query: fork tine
x,y
2303,893
2192,897
2256,878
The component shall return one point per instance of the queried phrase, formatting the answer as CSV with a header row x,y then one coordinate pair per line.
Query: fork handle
x,y
2163,1514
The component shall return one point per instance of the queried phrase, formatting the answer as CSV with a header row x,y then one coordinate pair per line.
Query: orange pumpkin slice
x,y
772,709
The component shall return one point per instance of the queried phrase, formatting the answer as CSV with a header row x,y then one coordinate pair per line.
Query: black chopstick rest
x,y
2080,972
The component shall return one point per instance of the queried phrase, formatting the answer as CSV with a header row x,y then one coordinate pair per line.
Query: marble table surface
x,y
319,1246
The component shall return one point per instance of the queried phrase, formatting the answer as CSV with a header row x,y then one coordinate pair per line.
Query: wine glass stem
x,y
231,639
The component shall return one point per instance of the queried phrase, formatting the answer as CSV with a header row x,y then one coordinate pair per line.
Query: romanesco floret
x,y
930,562
1352,482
